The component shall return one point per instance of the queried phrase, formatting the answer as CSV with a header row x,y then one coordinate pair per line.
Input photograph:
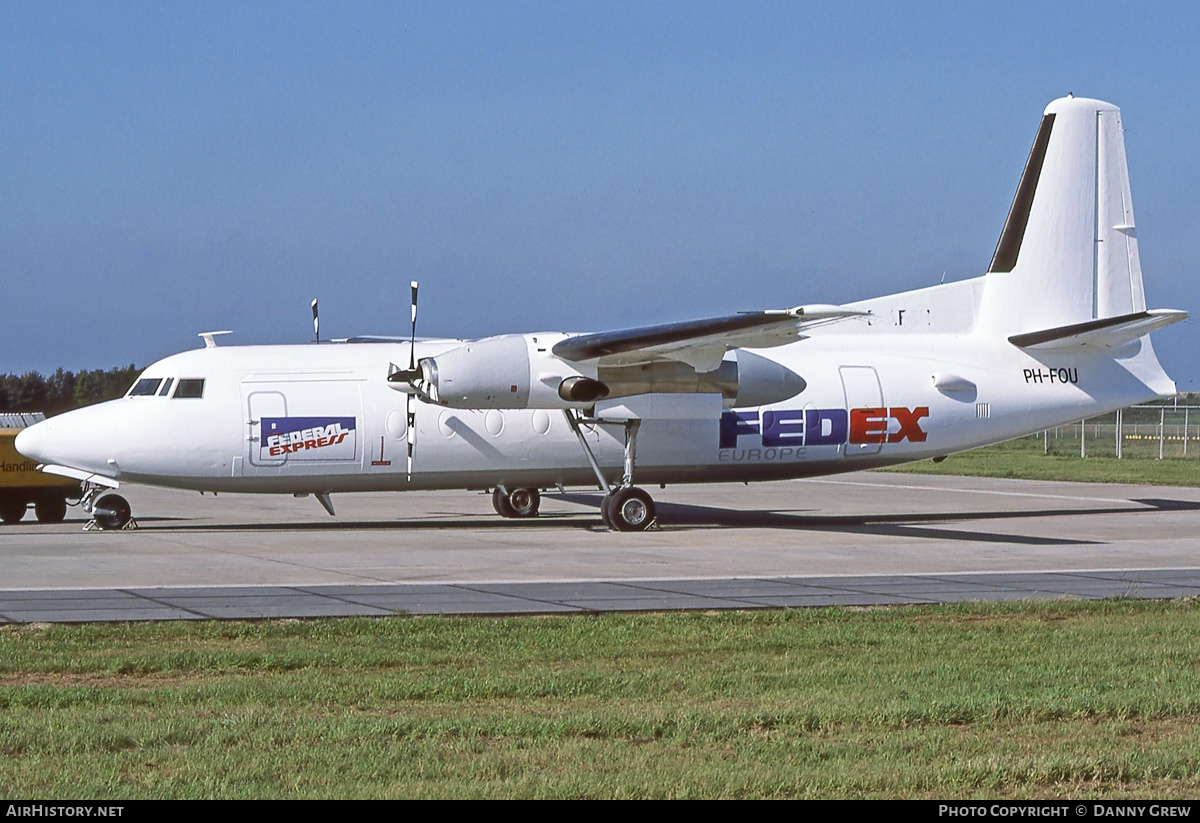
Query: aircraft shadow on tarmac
x,y
686,516
683,516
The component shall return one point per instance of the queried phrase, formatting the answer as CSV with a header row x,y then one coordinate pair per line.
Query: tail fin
x,y
1068,253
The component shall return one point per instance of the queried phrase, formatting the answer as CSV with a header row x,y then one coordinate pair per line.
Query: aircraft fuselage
x,y
294,419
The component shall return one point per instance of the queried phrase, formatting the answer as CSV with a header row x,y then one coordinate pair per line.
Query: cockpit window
x,y
190,387
166,389
145,386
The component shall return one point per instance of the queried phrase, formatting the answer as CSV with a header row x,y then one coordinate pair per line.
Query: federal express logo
x,y
307,438
781,432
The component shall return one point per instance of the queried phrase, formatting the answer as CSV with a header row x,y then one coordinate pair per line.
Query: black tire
x,y
112,512
631,510
50,509
12,509
524,502
606,510
501,505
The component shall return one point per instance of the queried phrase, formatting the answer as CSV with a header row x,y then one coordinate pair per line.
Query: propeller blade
x,y
316,321
412,429
412,342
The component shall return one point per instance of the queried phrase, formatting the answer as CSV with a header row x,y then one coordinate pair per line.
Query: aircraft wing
x,y
699,343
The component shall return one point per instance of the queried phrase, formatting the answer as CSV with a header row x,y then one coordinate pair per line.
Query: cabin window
x,y
145,386
166,389
190,387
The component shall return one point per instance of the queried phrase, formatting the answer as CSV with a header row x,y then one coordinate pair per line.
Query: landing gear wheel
x,y
11,511
516,503
112,512
524,502
631,510
606,510
50,509
501,505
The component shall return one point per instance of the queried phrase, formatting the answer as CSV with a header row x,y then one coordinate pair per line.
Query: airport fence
x,y
1149,431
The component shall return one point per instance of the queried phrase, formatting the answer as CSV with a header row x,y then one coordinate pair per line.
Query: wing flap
x,y
1105,333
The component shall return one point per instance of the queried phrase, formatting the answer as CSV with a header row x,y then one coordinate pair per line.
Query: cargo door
x,y
864,404
303,427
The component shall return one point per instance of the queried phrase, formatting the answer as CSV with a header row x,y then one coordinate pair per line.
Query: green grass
x,y
1023,458
1056,699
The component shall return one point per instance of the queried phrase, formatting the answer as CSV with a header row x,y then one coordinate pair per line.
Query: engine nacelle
x,y
508,372
761,381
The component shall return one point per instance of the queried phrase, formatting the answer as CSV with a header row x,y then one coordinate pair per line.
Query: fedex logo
x,y
308,438
824,427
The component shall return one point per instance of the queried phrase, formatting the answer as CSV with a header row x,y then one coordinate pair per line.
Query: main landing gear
x,y
517,502
625,507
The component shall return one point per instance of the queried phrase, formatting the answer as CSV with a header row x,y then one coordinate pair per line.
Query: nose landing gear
x,y
110,513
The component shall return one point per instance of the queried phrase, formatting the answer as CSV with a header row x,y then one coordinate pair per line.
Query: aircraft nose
x,y
65,440
31,442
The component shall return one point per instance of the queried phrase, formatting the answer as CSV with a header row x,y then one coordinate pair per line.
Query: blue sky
x,y
170,168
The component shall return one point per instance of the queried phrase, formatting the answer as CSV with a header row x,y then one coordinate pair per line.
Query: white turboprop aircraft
x,y
1057,330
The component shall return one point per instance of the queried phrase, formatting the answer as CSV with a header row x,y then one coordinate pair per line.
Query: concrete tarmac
x,y
857,538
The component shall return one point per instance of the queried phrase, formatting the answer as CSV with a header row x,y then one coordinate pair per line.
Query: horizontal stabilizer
x,y
1105,333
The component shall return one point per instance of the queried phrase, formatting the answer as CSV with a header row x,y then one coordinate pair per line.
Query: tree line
x,y
64,390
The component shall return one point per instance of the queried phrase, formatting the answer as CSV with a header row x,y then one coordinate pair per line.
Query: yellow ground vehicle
x,y
21,483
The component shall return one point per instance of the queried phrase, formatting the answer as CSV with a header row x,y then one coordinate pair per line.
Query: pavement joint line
x,y
985,585
942,578
572,605
519,598
160,603
743,599
350,602
851,590
666,590
1120,575
810,583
